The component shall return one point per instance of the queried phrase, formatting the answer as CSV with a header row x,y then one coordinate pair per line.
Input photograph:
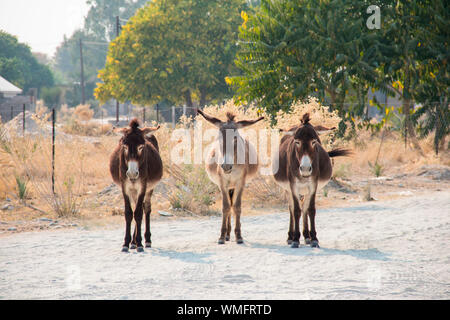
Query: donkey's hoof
x,y
289,241
315,244
227,238
307,240
140,249
125,249
148,244
295,244
221,241
132,246
239,241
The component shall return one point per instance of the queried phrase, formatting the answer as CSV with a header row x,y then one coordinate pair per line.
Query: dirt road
x,y
392,250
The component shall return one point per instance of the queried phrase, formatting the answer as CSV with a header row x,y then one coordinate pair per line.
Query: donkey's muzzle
x,y
133,170
133,175
305,166
305,171
227,168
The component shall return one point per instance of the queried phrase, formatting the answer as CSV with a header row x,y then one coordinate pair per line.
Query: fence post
x,y
173,117
11,112
23,120
53,150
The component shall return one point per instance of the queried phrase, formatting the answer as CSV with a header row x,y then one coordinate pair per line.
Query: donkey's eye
x,y
140,148
125,148
297,143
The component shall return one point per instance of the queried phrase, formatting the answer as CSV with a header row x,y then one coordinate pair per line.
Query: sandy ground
x,y
387,249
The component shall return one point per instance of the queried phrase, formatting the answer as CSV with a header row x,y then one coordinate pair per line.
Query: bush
x,y
192,190
77,121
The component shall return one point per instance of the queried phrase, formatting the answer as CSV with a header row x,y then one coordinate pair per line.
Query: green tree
x,y
180,50
20,67
291,50
67,64
433,88
100,20
99,28
402,53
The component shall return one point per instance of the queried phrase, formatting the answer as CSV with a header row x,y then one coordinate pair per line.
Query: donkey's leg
x,y
312,218
305,204
226,211
138,219
128,219
148,211
227,237
291,221
237,201
133,240
296,216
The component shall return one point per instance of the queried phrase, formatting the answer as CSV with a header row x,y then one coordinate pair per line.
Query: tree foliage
x,y
99,28
176,49
290,50
20,67
432,89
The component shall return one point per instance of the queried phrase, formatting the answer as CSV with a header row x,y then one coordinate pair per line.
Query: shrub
x,y
192,190
77,121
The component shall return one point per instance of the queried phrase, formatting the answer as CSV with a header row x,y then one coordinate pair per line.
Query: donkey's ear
x,y
148,130
120,130
323,130
210,119
246,123
287,132
290,131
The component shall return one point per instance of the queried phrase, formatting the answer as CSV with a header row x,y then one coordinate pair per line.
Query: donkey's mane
x,y
134,124
230,116
306,118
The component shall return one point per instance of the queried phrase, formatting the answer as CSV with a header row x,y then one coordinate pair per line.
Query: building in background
x,y
11,102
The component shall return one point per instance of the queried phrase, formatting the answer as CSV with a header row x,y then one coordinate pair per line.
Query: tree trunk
x,y
189,105
406,97
409,126
203,93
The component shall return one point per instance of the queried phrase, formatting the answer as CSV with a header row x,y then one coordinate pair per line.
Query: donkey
x,y
136,166
231,161
303,168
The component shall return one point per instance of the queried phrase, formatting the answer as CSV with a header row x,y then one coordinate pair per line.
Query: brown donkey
x,y
230,162
136,167
304,167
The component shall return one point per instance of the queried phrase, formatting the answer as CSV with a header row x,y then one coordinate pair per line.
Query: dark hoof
x,y
140,249
221,241
240,241
315,244
133,246
307,240
227,238
125,249
148,244
289,241
295,244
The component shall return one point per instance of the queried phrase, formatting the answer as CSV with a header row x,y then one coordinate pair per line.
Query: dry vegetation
x,y
83,184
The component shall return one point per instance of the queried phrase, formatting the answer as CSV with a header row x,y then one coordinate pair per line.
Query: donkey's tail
x,y
339,152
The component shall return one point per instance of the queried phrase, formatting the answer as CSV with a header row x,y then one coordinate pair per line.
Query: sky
x,y
42,24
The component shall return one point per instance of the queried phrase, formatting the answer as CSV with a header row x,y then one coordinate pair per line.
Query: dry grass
x,y
77,121
82,164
